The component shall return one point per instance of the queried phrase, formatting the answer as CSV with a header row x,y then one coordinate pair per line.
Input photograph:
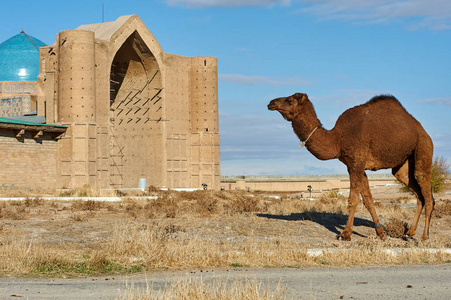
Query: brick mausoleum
x,y
105,105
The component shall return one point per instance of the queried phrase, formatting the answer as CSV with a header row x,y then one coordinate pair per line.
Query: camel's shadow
x,y
334,222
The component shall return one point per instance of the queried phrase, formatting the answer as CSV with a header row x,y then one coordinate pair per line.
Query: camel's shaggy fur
x,y
379,134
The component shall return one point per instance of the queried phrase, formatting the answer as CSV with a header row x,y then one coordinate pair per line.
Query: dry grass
x,y
88,191
202,229
189,288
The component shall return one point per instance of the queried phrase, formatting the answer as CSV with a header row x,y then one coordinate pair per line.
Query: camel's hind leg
x,y
369,204
423,176
404,173
417,177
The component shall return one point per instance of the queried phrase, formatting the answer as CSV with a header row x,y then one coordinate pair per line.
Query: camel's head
x,y
289,106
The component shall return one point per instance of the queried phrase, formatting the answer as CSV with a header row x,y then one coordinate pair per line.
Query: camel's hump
x,y
379,98
382,104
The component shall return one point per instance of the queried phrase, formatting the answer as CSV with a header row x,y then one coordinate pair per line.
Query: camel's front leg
x,y
353,201
356,176
369,204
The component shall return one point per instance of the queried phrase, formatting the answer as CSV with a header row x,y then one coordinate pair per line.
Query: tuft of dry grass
x,y
89,205
396,228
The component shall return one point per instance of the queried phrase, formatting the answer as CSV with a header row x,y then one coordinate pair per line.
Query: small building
x,y
29,154
128,109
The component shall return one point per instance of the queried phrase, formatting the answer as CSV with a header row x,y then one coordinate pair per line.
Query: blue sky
x,y
341,53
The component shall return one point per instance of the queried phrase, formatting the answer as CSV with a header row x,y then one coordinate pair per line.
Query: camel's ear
x,y
300,97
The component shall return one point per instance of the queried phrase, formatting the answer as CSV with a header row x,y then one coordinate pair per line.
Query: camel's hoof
x,y
380,233
344,238
410,233
406,237
382,236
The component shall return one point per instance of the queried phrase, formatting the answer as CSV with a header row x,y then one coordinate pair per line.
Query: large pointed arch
x,y
135,114
127,26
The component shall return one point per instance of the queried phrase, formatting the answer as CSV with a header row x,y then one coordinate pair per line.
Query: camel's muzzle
x,y
272,105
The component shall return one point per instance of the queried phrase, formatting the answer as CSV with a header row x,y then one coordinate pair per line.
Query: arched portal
x,y
136,110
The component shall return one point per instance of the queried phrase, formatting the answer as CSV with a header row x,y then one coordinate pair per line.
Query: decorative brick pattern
x,y
14,106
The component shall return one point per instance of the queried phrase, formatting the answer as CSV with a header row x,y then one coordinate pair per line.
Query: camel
x,y
379,134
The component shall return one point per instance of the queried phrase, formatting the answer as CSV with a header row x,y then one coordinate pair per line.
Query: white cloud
x,y
263,80
432,14
439,101
226,3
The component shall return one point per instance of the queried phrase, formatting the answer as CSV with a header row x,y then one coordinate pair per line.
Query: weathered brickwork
x,y
27,162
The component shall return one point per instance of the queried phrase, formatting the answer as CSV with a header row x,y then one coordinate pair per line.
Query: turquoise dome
x,y
19,58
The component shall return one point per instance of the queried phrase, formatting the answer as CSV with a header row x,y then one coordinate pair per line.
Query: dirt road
x,y
417,282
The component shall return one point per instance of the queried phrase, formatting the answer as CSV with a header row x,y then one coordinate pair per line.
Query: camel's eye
x,y
288,100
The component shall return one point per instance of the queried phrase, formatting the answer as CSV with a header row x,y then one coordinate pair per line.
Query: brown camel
x,y
379,134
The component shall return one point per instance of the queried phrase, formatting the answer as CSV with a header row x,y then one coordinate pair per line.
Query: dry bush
x,y
440,168
89,205
152,189
13,210
207,206
203,203
33,202
132,207
239,202
332,194
442,209
195,195
164,206
245,204
396,228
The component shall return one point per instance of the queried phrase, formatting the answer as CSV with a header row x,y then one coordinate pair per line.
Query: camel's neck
x,y
322,143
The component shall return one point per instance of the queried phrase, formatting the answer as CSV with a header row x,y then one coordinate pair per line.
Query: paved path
x,y
418,282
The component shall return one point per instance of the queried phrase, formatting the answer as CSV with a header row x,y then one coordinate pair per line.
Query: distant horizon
x,y
310,175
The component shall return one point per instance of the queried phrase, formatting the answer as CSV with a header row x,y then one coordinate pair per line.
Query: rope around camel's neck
x,y
305,126
321,143
302,143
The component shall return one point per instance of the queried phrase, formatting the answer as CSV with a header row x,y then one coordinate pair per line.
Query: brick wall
x,y
27,162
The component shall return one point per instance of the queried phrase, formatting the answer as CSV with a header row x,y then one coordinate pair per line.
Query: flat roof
x,y
20,122
6,123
